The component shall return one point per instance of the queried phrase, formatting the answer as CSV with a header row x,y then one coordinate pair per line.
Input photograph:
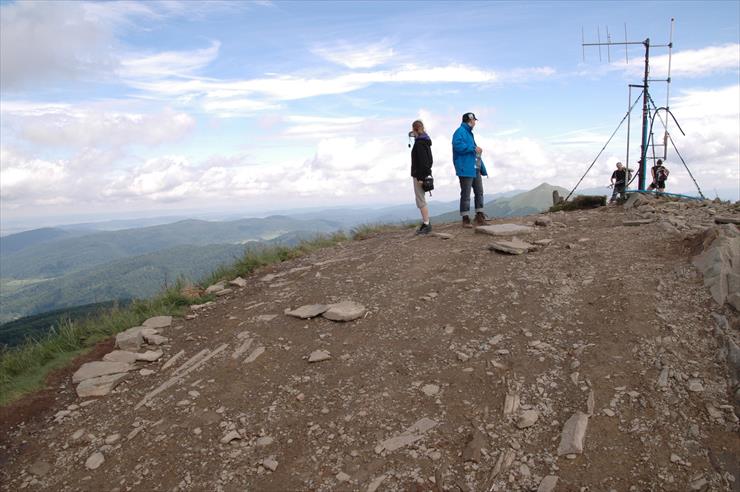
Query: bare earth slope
x,y
451,329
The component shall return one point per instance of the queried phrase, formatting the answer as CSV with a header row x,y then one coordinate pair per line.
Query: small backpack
x,y
661,173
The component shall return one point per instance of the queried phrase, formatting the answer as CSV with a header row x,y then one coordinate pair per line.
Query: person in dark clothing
x,y
619,181
421,167
660,175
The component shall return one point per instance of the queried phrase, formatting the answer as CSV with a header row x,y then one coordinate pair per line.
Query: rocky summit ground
x,y
469,370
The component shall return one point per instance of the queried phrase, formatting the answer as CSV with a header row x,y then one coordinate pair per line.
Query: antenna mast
x,y
645,95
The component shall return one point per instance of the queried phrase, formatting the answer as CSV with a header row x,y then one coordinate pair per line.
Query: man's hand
x,y
478,150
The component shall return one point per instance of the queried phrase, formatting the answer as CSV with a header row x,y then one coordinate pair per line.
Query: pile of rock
x,y
100,377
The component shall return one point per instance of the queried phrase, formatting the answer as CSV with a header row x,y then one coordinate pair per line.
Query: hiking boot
x,y
480,219
424,229
466,221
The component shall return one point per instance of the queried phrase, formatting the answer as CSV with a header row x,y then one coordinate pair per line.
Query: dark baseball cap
x,y
469,116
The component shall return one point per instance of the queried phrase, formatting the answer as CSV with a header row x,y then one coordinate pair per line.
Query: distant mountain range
x,y
529,202
55,268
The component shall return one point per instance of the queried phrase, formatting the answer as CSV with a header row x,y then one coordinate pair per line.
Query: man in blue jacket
x,y
469,167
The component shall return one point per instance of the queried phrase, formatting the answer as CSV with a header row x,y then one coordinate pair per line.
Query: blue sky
x,y
159,107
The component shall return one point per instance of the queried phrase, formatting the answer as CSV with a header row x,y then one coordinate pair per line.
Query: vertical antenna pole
x,y
608,46
668,92
629,121
598,36
626,57
583,47
645,125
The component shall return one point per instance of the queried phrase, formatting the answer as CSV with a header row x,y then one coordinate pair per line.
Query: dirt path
x,y
451,329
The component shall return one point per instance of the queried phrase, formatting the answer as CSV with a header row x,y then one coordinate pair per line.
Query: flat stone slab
x,y
504,229
238,282
574,432
212,289
100,386
637,222
158,322
319,355
344,311
409,436
308,311
99,368
513,247
149,355
442,235
121,356
727,220
543,242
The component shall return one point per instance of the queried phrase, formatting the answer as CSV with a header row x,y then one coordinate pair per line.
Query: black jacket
x,y
421,158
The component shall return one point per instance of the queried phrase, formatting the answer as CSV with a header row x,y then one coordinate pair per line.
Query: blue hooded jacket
x,y
463,152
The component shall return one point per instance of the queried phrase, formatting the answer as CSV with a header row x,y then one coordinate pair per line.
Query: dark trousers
x,y
618,190
466,184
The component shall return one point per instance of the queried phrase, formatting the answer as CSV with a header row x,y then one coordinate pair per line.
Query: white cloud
x,y
25,180
357,56
167,63
51,41
696,63
77,127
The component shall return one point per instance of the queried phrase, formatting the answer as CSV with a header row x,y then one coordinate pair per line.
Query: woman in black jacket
x,y
421,167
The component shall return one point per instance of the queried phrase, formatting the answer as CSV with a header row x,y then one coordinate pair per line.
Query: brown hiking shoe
x,y
466,221
480,219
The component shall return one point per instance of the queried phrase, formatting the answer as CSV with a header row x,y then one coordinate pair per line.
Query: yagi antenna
x,y
645,81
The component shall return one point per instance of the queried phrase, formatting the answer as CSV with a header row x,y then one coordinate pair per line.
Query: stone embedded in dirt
x,y
430,389
375,484
230,436
238,282
513,247
130,339
264,441
543,221
113,438
319,355
146,372
95,369
548,484
574,432
308,311
150,355
342,477
224,292
270,463
266,317
121,356
726,220
695,385
476,441
609,412
504,229
212,289
99,386
39,468
94,461
156,339
253,356
543,242
637,222
442,235
409,436
511,404
344,311
158,322
527,419
663,378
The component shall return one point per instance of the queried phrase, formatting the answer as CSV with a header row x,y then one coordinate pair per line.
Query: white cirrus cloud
x,y
694,63
167,63
356,56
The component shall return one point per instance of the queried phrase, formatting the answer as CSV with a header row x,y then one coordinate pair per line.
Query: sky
x,y
111,109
